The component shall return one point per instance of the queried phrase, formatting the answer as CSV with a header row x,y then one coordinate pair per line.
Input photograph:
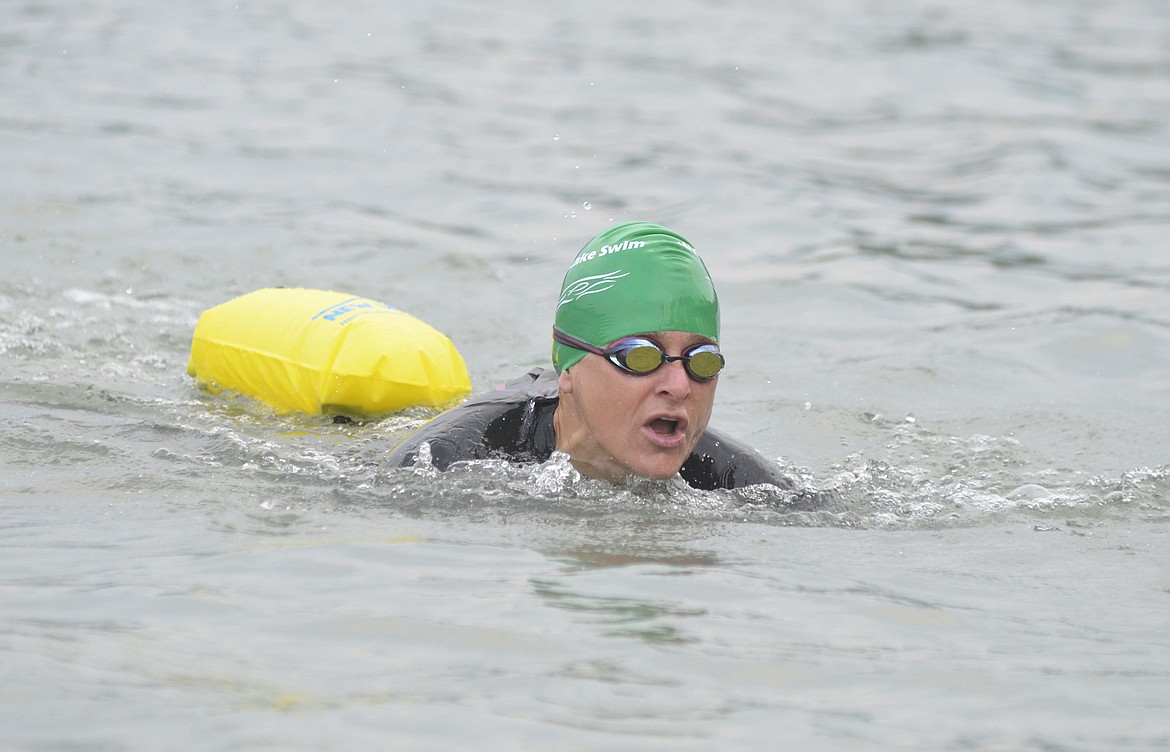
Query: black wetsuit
x,y
515,422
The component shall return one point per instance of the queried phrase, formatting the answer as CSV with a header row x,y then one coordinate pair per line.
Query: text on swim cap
x,y
605,250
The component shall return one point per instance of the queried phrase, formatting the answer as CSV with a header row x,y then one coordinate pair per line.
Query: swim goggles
x,y
641,356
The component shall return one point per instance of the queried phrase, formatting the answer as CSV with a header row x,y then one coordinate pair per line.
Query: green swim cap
x,y
634,278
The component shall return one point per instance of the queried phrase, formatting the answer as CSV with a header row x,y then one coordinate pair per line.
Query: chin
x,y
660,468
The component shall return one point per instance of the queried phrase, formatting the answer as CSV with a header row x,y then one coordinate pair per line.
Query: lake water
x,y
939,232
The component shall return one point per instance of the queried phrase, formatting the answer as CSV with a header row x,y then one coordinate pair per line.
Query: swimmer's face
x,y
614,424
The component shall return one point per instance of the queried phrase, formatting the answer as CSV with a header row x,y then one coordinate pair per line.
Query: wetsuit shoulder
x,y
719,461
512,422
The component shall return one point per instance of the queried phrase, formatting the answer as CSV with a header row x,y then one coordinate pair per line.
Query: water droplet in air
x,y
587,206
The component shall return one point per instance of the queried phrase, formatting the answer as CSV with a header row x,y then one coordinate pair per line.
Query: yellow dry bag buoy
x,y
318,351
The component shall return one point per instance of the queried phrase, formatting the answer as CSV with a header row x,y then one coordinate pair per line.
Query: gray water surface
x,y
938,231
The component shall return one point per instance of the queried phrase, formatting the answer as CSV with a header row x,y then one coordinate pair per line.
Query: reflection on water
x,y
619,617
641,546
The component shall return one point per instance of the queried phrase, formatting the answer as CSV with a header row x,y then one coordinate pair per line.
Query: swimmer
x,y
636,362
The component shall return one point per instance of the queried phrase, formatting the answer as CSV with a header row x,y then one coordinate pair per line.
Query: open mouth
x,y
664,426
667,432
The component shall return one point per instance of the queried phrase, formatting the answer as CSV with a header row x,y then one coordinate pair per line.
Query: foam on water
x,y
89,354
922,481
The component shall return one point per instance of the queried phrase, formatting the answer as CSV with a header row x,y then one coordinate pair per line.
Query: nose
x,y
674,380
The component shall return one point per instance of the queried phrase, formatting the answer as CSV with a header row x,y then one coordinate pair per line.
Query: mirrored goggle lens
x,y
705,364
640,358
